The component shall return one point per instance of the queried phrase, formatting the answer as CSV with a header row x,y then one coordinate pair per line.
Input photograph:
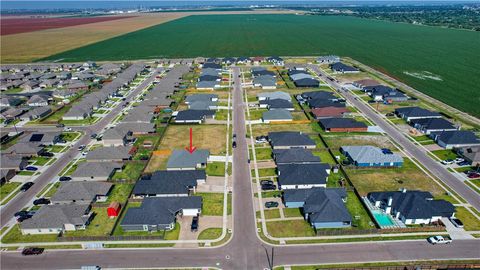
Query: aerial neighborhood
x,y
150,150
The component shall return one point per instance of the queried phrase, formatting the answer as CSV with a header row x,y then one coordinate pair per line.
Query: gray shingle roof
x,y
457,137
183,159
370,154
275,95
193,115
111,152
303,174
80,191
416,112
276,115
296,155
168,182
95,169
55,216
432,123
160,211
289,138
328,123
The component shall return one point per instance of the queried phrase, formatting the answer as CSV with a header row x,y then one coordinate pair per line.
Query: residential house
x,y
116,137
457,138
371,156
36,113
365,83
328,59
265,82
277,115
342,125
184,160
136,128
469,153
95,171
81,192
321,207
276,60
429,125
194,116
110,153
276,104
25,149
295,156
340,67
290,139
159,213
411,113
6,175
274,95
42,138
412,207
300,176
329,112
169,184
77,113
55,219
13,162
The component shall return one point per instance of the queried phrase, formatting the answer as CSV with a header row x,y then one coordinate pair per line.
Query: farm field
x,y
23,25
439,62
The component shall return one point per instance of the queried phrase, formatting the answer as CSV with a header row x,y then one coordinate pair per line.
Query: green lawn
x,y
120,193
131,171
101,224
444,154
263,153
210,234
215,168
292,212
360,217
324,156
270,213
406,57
290,228
39,161
70,136
56,148
470,222
221,114
265,172
52,191
212,203
7,189
15,236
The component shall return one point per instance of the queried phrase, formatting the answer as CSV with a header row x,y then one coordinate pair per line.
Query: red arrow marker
x,y
192,148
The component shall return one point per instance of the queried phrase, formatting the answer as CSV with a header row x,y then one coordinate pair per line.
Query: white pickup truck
x,y
439,240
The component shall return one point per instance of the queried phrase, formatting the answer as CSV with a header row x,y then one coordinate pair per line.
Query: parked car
x,y
46,154
60,125
387,151
67,129
93,136
390,114
41,201
261,139
64,178
234,144
266,182
269,187
447,161
31,168
271,204
234,135
194,226
463,163
26,186
32,251
473,175
456,222
458,160
20,214
438,239
81,147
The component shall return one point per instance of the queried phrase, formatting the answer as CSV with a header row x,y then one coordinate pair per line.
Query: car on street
x,y
234,135
271,204
60,125
438,239
234,144
266,182
456,222
32,251
20,214
93,136
41,201
67,129
64,178
81,147
447,161
194,225
31,168
269,187
26,186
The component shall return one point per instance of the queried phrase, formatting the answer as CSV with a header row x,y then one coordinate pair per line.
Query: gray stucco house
x,y
184,160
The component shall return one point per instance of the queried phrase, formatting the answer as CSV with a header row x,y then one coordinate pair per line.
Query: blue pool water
x,y
382,219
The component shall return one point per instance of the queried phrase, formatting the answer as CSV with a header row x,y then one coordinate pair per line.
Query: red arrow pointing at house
x,y
192,148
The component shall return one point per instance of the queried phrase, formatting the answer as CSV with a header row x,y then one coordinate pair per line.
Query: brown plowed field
x,y
23,25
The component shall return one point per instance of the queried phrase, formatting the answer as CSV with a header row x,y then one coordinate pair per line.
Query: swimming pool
x,y
382,219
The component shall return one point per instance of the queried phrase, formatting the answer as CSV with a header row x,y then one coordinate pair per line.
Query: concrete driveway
x,y
204,223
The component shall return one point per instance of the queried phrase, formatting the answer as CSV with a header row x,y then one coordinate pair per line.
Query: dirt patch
x,y
335,142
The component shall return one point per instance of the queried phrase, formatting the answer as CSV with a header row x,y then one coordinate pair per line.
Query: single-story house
x,y
325,95
329,112
43,138
36,113
470,154
290,139
24,149
278,115
274,95
276,60
276,104
136,128
365,83
328,59
457,138
299,176
116,137
77,113
159,213
306,82
412,207
110,153
321,207
429,125
194,116
184,160
265,82
57,218
169,183
294,156
81,192
371,156
95,171
13,162
322,103
208,85
37,101
410,113
340,67
342,125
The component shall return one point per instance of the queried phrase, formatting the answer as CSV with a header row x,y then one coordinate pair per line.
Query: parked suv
x,y
266,182
41,201
26,186
268,187
32,251
194,226
271,204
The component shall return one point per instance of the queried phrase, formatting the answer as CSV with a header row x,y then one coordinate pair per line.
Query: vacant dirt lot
x,y
210,137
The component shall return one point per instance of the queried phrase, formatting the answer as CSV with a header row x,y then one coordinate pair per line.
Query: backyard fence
x,y
111,238
426,229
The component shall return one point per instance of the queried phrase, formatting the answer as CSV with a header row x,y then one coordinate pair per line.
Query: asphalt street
x,y
434,167
23,198
245,250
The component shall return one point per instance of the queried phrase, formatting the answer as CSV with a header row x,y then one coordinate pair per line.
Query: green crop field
x,y
440,62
